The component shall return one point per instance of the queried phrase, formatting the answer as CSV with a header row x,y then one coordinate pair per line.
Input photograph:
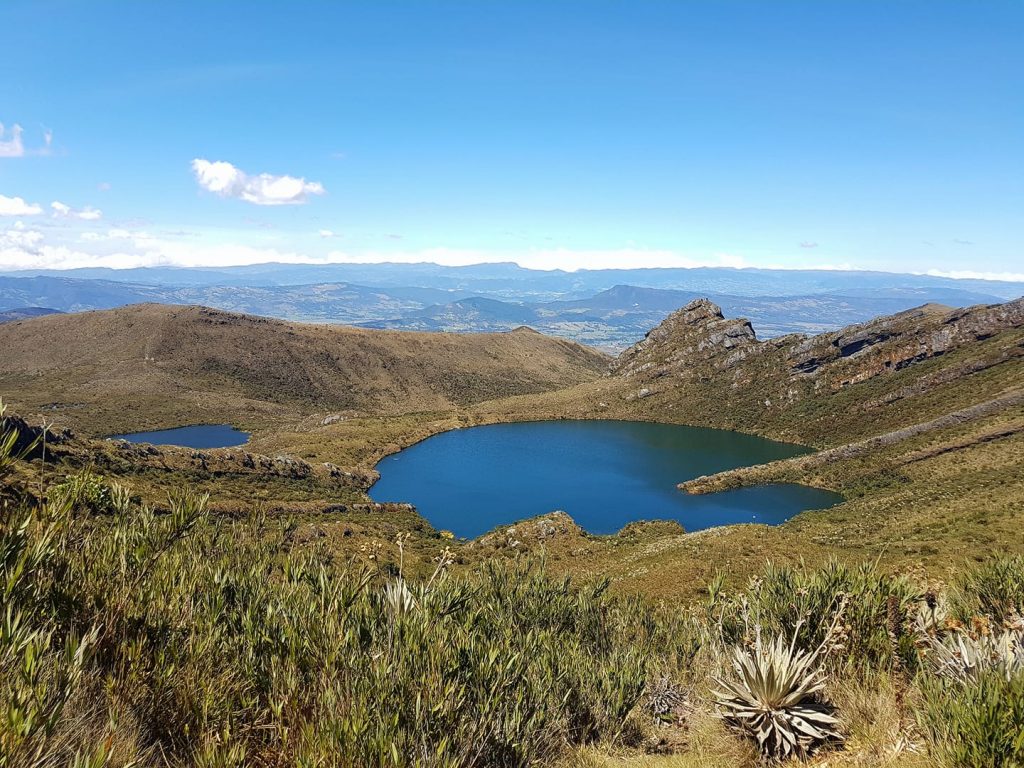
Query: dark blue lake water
x,y
196,436
605,474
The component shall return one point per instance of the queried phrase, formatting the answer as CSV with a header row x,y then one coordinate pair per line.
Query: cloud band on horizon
x,y
23,248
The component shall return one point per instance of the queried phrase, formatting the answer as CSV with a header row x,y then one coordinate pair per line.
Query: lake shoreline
x,y
468,493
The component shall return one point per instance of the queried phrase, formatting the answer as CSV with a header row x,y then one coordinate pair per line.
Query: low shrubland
x,y
138,634
192,641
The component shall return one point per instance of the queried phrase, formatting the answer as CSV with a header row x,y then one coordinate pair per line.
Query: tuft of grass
x,y
85,491
975,724
852,609
994,589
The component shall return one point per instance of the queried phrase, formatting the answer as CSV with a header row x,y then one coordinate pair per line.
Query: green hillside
x,y
251,606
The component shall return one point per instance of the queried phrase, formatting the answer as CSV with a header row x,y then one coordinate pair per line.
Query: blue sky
x,y
879,135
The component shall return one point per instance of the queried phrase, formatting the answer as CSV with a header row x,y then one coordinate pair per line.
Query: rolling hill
x,y
328,302
154,364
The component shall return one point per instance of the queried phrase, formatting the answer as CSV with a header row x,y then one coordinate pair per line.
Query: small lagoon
x,y
197,436
605,474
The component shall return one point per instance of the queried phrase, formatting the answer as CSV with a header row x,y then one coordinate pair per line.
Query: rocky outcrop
x,y
533,532
886,344
30,440
687,342
698,343
122,455
700,368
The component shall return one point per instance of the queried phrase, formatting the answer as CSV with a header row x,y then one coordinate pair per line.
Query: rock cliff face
x,y
891,343
696,334
711,369
30,441
695,343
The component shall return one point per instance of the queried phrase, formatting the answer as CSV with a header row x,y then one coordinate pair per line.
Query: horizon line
x,y
951,275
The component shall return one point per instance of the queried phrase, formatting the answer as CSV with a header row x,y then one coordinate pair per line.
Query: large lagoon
x,y
605,474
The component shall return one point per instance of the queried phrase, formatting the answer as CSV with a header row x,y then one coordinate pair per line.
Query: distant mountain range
x,y
510,281
608,308
326,302
24,313
619,316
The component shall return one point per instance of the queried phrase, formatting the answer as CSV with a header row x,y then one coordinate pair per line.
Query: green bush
x,y
994,589
977,724
865,610
86,491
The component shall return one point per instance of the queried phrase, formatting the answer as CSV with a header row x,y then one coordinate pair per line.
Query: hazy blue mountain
x,y
493,297
509,281
25,313
71,294
330,302
623,314
474,311
629,297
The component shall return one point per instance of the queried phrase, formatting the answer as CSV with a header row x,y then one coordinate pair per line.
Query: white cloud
x,y
103,186
64,211
12,147
111,234
123,249
20,237
16,206
970,274
326,233
15,147
226,180
118,248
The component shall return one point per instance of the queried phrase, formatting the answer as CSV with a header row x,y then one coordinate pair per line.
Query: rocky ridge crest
x,y
698,343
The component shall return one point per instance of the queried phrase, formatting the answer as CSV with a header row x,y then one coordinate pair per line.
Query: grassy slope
x,y
930,501
927,504
150,366
834,415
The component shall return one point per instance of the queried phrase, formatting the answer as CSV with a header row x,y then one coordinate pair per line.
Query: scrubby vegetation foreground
x,y
138,636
